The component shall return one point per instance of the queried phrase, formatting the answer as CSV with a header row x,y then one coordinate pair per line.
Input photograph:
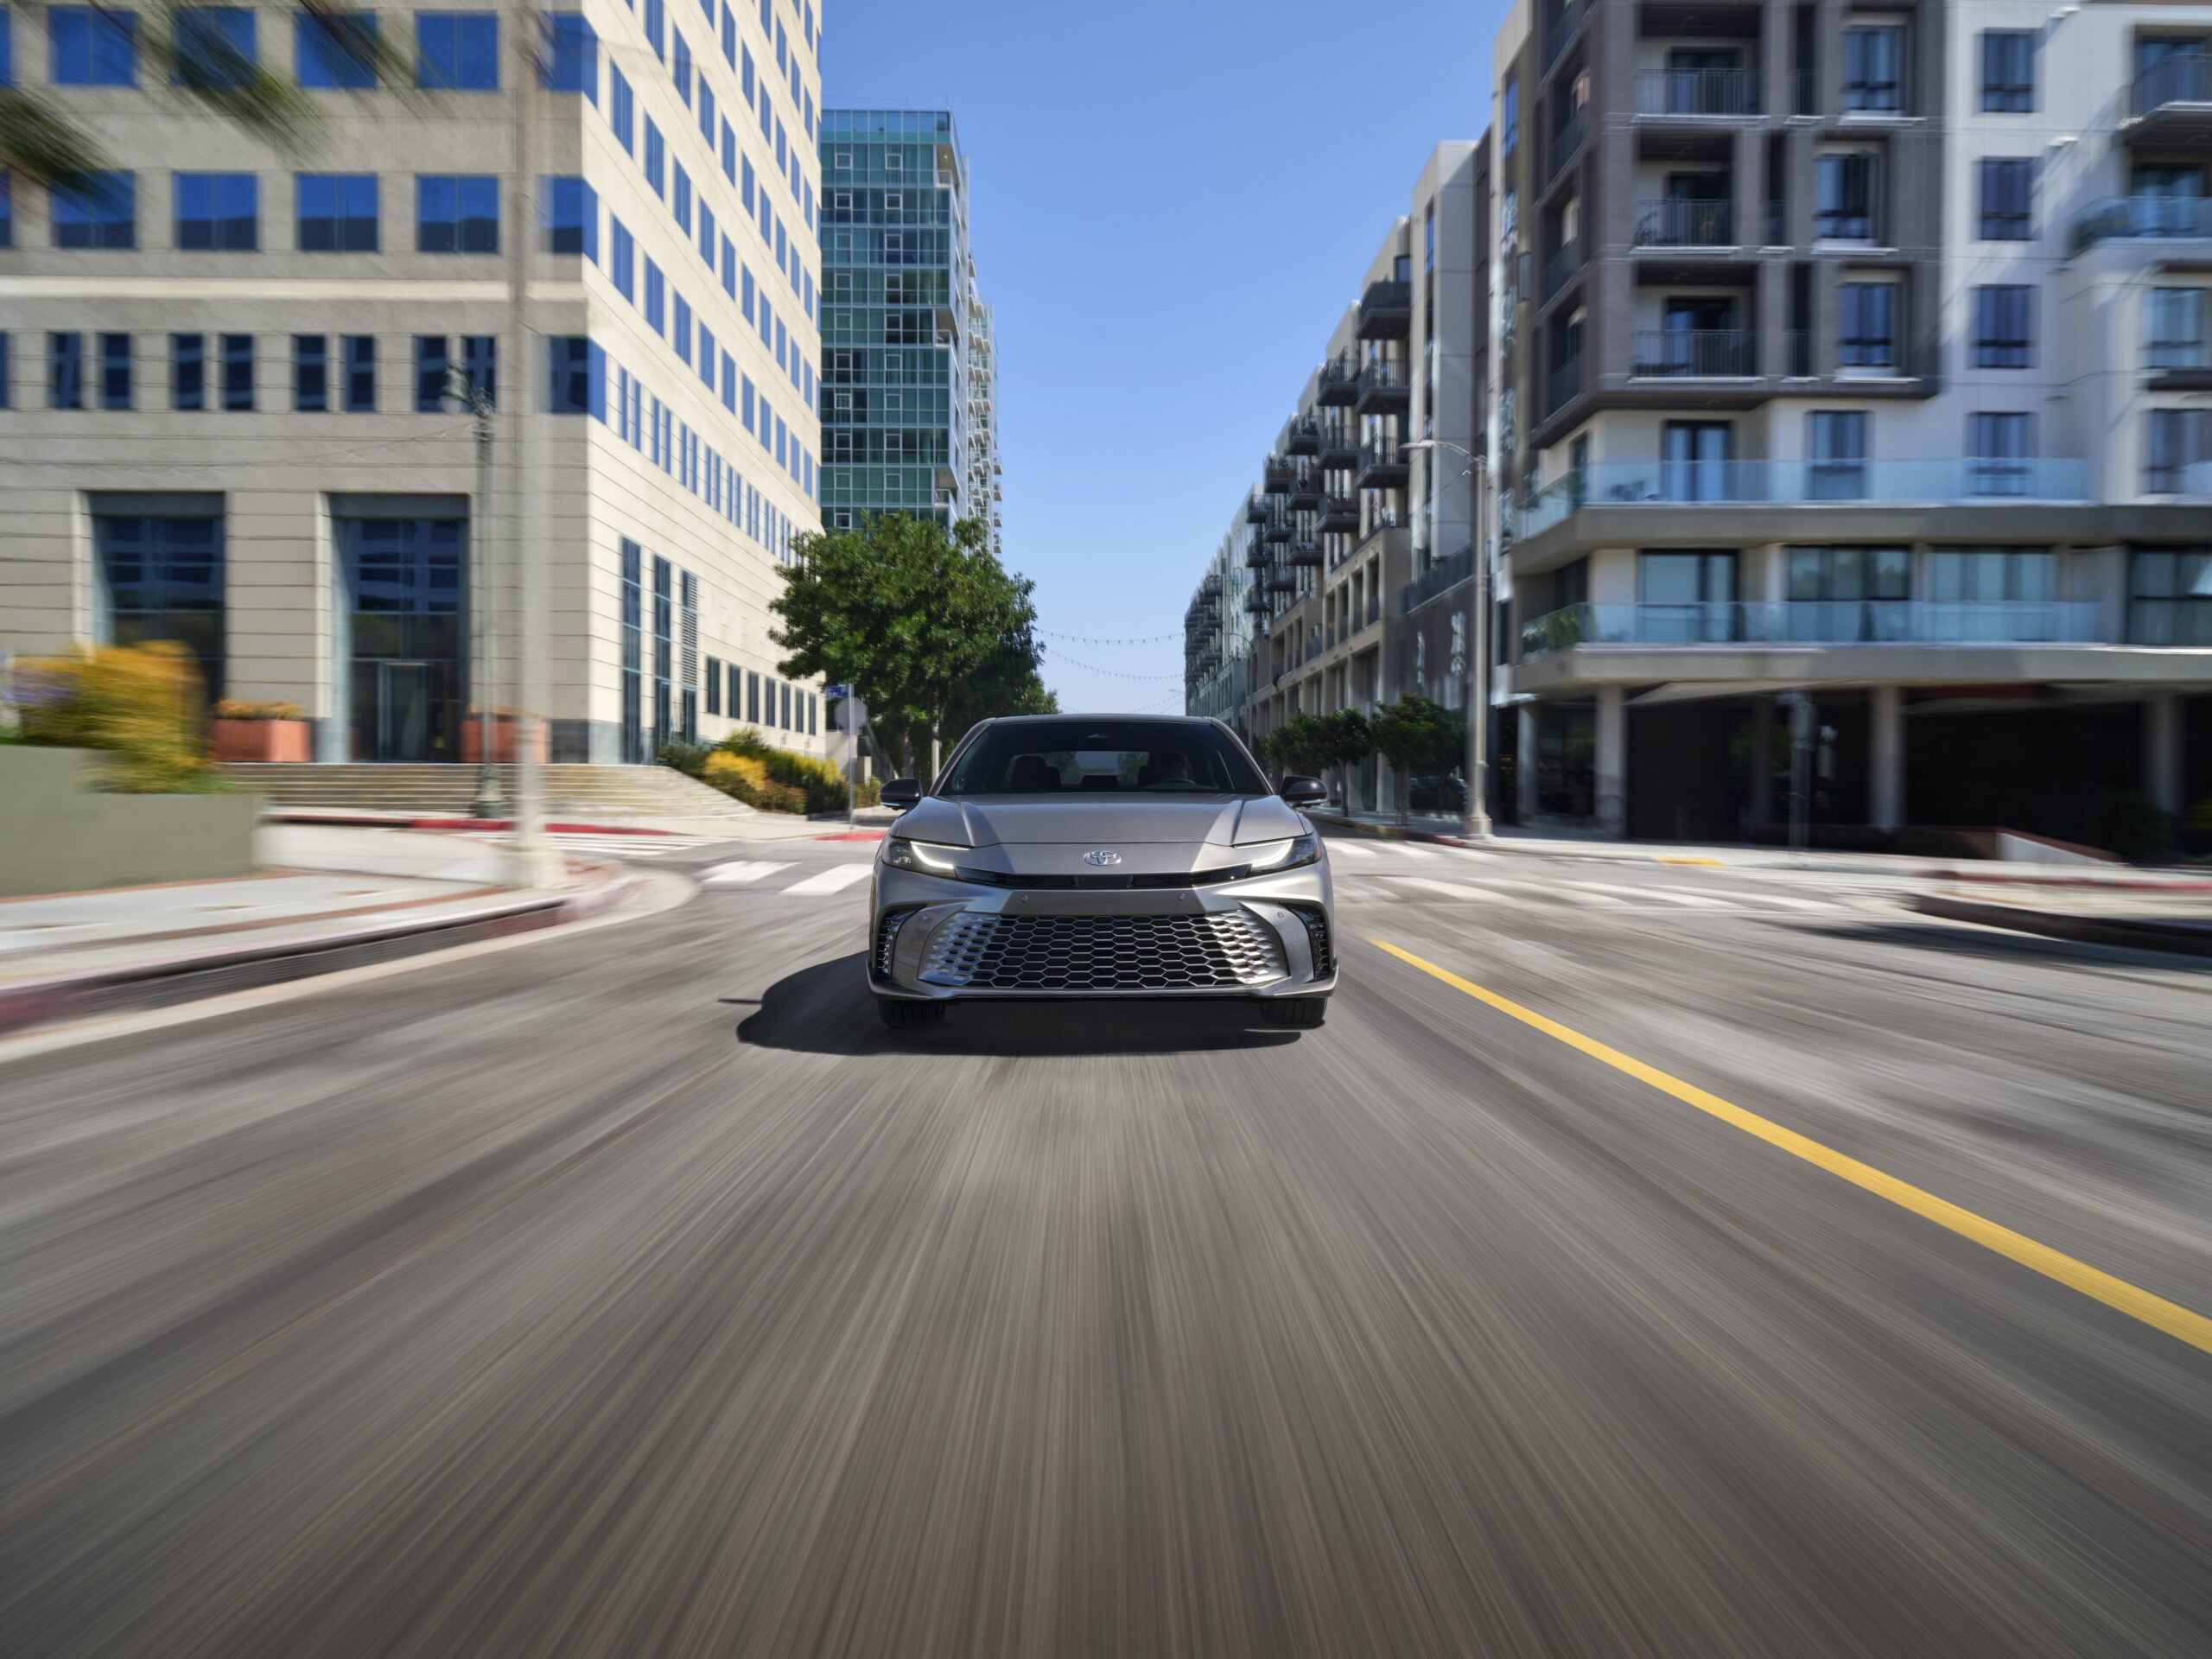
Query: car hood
x,y
1101,820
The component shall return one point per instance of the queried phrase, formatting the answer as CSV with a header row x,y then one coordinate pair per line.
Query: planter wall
x,y
505,742
59,835
282,741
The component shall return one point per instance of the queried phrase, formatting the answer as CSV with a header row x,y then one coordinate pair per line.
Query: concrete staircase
x,y
580,794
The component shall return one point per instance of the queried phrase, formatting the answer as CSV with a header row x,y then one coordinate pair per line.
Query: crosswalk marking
x,y
1406,849
1350,850
611,846
1660,895
1452,889
833,880
740,873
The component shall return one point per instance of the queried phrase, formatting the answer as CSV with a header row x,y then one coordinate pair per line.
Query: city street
x,y
633,1293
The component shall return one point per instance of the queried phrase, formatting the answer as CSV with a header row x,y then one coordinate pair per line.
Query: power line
x,y
1115,674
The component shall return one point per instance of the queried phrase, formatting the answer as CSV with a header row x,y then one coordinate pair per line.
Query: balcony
x,y
1706,485
1276,474
1209,585
1566,144
1386,311
1303,438
1382,465
1258,509
1255,599
1303,552
2171,102
1277,529
1562,384
1306,490
1560,268
1256,557
2143,219
1694,354
1339,446
1685,224
1815,622
1439,578
1340,514
1696,94
1383,388
1559,28
1282,582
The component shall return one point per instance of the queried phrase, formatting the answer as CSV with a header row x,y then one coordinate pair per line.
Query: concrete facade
x,y
658,381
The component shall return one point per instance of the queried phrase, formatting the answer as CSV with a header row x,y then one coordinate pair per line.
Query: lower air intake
x,y
1103,953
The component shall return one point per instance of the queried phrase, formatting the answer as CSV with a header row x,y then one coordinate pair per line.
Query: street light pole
x,y
1475,821
490,803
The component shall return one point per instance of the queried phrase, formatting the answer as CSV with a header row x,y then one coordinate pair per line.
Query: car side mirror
x,y
1304,792
902,792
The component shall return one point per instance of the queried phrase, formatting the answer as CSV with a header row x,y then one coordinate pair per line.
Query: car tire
x,y
1306,1012
909,1016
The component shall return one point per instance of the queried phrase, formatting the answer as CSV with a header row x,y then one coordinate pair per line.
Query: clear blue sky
x,y
1173,202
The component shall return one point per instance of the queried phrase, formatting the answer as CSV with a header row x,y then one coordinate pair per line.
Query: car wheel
x,y
909,1016
1305,1012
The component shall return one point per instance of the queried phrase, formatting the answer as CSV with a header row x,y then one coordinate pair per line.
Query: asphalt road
x,y
633,1293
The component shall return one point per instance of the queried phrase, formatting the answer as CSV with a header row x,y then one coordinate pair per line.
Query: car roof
x,y
1160,720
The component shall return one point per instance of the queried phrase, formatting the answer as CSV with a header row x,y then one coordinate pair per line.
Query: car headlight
x,y
925,857
1285,855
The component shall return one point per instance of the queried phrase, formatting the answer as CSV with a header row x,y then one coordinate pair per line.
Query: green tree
x,y
914,617
1349,742
1410,734
179,57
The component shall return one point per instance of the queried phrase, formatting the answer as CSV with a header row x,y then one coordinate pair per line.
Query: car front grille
x,y
979,951
1317,935
1105,883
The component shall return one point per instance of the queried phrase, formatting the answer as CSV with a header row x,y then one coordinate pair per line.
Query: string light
x,y
1131,639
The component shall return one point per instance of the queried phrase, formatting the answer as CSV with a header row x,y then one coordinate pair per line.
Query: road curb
x,y
401,821
159,982
2143,933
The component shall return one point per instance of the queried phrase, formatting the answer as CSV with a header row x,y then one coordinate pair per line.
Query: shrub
x,y
746,777
138,705
235,709
689,759
2129,823
817,780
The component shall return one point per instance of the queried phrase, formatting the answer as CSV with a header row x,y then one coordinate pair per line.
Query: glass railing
x,y
1684,224
2178,78
1816,622
1697,92
1567,138
1769,483
1562,266
1707,354
1440,577
2126,219
2165,622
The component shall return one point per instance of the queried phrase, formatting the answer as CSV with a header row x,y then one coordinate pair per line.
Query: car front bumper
x,y
932,939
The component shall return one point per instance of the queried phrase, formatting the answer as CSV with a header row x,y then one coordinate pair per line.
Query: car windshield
x,y
1105,757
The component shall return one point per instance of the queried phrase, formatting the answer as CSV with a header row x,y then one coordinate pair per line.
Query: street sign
x,y
851,715
833,692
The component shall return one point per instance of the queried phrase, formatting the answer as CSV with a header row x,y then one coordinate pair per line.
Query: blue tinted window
x,y
220,210
707,113
621,258
92,47
65,376
620,109
729,153
456,214
238,371
433,356
706,231
459,50
335,50
730,268
337,213
730,35
654,26
187,371
310,372
683,203
103,213
215,46
7,211
571,60
479,366
745,75
681,67
164,581
654,150
360,374
654,291
7,48
578,377
707,354
680,335
115,371
571,213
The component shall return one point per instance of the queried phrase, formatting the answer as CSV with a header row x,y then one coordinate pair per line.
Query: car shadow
x,y
2000,944
826,1010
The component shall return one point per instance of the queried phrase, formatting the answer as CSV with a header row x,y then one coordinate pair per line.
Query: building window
x,y
92,47
7,210
633,736
5,365
457,51
162,578
571,63
713,686
335,50
2178,328
679,68
1847,594
64,379
1866,324
2002,594
215,47
680,335
1835,453
752,696
360,374
1510,116
2170,595
1846,197
622,258
2179,458
578,377
571,213
681,204
101,213
663,634
480,368
238,371
2008,71
620,109
219,212
1873,68
337,213
188,371
115,371
311,372
2003,325
2007,188
654,155
433,355
2000,452
456,214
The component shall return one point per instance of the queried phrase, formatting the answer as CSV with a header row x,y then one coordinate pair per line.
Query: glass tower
x,y
907,364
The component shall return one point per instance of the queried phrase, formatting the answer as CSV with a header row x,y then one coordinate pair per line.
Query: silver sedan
x,y
1107,856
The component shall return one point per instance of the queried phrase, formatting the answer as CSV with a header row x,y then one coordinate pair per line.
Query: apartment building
x,y
236,385
1343,516
1854,356
911,366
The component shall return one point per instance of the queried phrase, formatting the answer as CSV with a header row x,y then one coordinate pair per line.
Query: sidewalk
x,y
764,826
335,897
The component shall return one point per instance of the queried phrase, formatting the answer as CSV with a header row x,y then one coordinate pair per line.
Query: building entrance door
x,y
403,717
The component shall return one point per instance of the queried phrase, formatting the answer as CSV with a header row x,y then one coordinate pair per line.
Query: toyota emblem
x,y
1101,858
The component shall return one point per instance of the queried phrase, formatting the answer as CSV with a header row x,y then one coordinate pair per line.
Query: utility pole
x,y
1474,823
490,803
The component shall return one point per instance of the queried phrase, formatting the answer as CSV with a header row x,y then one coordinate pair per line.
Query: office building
x,y
910,370
237,382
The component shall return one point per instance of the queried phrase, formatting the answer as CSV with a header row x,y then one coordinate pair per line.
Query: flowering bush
x,y
746,777
138,705
236,709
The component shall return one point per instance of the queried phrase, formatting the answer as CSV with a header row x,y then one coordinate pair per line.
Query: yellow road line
x,y
2137,1303
1686,858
